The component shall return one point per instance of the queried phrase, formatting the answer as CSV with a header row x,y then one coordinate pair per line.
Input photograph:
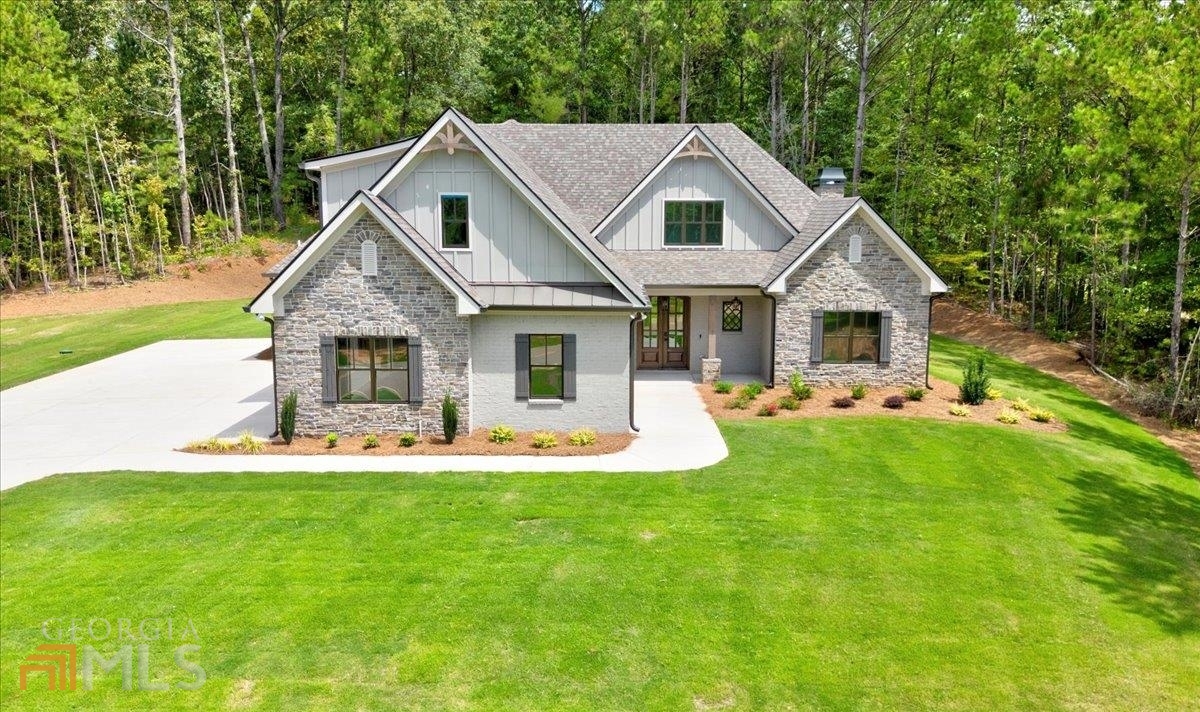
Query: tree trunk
x,y
805,102
185,202
64,212
37,226
341,91
1181,260
864,67
264,139
683,84
776,102
281,31
235,176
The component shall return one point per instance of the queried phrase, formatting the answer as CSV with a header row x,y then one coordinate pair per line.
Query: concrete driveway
x,y
131,411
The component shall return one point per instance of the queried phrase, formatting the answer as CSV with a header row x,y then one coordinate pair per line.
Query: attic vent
x,y
855,248
370,259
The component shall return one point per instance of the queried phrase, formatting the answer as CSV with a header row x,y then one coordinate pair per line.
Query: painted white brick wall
x,y
602,360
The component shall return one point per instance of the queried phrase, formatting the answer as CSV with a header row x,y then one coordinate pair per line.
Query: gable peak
x,y
449,139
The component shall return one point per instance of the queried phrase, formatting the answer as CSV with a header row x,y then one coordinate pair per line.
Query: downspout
x,y
274,375
634,320
771,370
929,339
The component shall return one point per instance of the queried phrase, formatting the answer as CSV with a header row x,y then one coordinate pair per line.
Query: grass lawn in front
x,y
842,563
30,346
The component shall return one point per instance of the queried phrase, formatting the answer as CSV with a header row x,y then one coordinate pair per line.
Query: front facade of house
x,y
531,271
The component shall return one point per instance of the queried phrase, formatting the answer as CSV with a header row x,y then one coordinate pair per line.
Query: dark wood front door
x,y
663,334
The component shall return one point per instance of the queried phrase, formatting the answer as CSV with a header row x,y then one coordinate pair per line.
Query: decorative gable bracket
x,y
449,139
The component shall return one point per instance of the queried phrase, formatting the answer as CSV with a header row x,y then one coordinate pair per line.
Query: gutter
x,y
929,339
634,320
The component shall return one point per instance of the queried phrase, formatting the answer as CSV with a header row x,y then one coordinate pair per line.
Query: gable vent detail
x,y
370,259
855,255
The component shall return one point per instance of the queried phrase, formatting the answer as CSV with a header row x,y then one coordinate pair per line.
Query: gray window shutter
x,y
885,337
416,369
568,367
522,368
328,370
817,349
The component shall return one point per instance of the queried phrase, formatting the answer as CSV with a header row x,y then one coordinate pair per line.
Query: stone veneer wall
x,y
883,280
334,298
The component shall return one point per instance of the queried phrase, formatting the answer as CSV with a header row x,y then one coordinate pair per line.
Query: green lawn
x,y
872,563
29,346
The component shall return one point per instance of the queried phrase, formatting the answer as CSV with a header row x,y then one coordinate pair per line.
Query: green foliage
x,y
544,440
1009,417
789,403
449,418
960,410
1041,415
858,391
801,391
1020,405
975,381
914,393
993,394
331,440
752,390
213,444
408,439
582,437
502,434
768,410
249,444
370,442
740,402
287,417
723,387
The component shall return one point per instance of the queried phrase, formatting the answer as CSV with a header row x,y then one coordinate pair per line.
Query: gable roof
x,y
337,161
270,300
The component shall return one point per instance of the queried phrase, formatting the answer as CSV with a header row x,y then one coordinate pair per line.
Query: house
x,y
531,270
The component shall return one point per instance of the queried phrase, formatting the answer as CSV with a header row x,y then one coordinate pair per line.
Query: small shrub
x,y
1041,415
249,444
723,387
287,418
789,403
976,381
1020,405
960,411
449,418
858,391
408,440
894,402
768,410
752,390
582,437
993,393
371,441
331,440
843,402
739,403
544,440
1009,417
211,445
913,393
502,434
800,390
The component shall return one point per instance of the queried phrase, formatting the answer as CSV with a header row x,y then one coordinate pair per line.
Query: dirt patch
x,y
476,443
935,404
1061,360
209,279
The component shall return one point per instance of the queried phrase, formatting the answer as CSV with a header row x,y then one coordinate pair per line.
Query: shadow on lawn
x,y
1146,555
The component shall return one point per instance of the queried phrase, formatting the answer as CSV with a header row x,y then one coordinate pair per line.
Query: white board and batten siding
x,y
510,242
338,186
748,226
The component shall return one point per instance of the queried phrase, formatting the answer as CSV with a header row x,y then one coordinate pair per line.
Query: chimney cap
x,y
831,175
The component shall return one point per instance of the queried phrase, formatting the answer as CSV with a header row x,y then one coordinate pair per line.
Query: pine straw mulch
x,y
476,443
935,404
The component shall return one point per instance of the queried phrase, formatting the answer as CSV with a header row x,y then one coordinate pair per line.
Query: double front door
x,y
662,335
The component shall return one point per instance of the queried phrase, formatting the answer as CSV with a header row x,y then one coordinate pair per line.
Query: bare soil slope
x,y
959,322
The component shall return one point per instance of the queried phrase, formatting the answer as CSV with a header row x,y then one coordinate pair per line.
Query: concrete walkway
x,y
130,411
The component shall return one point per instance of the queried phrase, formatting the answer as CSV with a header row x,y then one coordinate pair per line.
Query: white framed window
x,y
693,223
370,258
855,255
454,221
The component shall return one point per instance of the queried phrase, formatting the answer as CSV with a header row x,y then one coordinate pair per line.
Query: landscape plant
x,y
843,402
752,390
287,418
895,402
331,440
858,391
723,387
544,440
768,410
914,393
801,391
1041,415
249,444
960,411
789,403
582,437
740,402
407,439
975,381
502,434
449,418
370,442
1009,416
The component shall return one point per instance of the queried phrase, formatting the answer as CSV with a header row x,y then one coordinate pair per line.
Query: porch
x,y
708,334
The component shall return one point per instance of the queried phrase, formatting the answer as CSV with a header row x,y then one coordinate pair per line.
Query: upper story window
x,y
693,222
456,233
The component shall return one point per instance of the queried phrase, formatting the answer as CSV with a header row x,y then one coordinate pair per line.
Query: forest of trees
x,y
1041,154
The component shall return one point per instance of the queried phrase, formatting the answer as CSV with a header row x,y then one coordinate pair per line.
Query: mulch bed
x,y
476,443
935,404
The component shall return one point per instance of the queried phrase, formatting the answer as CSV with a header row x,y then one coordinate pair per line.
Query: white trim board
x,y
930,282
270,301
353,158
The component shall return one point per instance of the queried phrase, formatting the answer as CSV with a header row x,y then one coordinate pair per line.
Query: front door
x,y
662,335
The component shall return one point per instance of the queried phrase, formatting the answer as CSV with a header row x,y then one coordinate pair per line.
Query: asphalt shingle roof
x,y
698,268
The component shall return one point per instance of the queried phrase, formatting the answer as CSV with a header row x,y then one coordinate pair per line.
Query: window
x,y
693,222
851,337
545,365
372,370
455,222
731,315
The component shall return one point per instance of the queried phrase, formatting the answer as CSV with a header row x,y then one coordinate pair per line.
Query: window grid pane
x,y
372,369
693,222
545,366
731,316
455,221
851,337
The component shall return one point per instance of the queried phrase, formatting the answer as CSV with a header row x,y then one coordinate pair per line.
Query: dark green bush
x,y
723,387
752,390
287,418
976,382
449,418
914,393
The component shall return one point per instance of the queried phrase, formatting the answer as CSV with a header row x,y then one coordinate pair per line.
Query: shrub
x,y
1009,417
768,410
331,440
789,403
960,411
408,440
800,390
739,403
449,418
1020,405
993,393
370,441
752,390
723,387
502,434
894,402
1041,415
582,437
913,393
843,402
544,440
858,391
976,381
249,444
287,418
211,445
